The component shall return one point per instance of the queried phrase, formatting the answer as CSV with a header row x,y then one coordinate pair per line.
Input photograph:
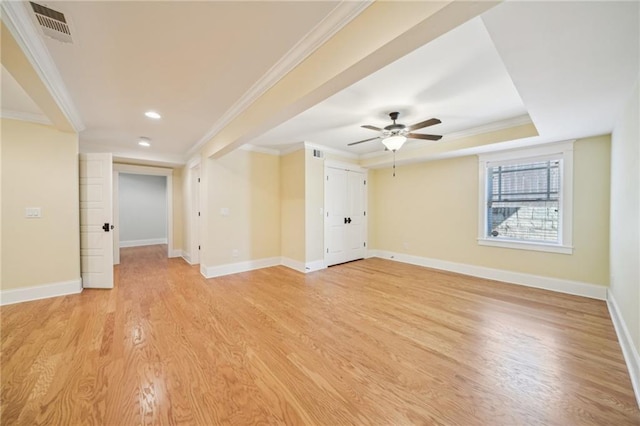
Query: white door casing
x,y
96,209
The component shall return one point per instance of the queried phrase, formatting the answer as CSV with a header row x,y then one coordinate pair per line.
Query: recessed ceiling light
x,y
153,114
144,141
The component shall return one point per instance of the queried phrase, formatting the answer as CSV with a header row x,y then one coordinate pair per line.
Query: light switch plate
x,y
32,212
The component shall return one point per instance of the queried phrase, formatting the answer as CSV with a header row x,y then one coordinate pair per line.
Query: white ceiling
x,y
458,78
569,66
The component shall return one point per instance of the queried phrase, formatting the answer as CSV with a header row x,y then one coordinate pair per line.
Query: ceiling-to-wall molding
x,y
16,16
340,16
32,117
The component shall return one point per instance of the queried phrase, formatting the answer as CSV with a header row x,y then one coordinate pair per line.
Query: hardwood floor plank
x,y
369,342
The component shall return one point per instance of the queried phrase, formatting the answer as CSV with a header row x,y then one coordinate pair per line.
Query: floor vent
x,y
52,22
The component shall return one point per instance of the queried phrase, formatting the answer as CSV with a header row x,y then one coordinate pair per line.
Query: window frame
x,y
558,150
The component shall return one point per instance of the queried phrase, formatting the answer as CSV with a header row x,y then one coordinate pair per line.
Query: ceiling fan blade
x,y
426,137
366,126
423,124
366,140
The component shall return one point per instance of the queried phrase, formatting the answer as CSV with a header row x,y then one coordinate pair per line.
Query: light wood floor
x,y
369,342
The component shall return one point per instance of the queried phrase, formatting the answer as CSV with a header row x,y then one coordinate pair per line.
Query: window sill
x,y
521,245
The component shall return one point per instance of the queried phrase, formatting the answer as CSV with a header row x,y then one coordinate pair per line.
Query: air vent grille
x,y
52,22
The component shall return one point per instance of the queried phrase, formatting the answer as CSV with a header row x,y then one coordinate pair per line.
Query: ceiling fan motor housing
x,y
395,129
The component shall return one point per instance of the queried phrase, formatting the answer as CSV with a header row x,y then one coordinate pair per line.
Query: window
x,y
526,198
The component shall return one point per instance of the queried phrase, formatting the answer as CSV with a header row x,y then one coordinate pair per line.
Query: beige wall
x,y
314,201
292,205
625,216
248,184
39,169
431,210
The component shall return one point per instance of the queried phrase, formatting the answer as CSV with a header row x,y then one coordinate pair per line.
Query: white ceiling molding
x,y
490,127
340,16
16,17
293,148
25,116
486,128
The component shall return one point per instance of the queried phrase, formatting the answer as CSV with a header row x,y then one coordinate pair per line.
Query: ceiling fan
x,y
394,135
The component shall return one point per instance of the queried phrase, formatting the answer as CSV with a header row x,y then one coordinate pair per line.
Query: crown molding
x,y
32,117
490,127
340,16
16,16
292,148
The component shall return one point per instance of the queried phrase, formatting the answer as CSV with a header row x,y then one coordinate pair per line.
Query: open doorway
x,y
142,211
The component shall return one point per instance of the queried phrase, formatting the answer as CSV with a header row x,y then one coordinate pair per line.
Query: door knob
x,y
106,227
348,220
345,220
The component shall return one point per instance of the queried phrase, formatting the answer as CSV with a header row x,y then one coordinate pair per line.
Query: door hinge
x,y
365,182
365,243
198,180
327,177
198,247
365,213
327,250
198,213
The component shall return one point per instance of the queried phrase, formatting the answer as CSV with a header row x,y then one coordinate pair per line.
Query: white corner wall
x,y
142,201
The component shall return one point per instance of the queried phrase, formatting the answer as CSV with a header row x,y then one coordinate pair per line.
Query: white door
x,y
345,209
355,228
335,205
96,243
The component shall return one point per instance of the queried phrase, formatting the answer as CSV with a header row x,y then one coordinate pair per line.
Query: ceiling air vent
x,y
52,22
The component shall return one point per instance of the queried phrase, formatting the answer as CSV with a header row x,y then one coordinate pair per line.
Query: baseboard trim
x,y
629,351
296,265
176,253
576,288
315,265
45,291
140,243
235,268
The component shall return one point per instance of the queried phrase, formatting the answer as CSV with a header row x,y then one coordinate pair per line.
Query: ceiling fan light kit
x,y
395,142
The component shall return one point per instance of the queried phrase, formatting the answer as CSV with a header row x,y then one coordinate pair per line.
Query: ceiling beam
x,y
381,34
